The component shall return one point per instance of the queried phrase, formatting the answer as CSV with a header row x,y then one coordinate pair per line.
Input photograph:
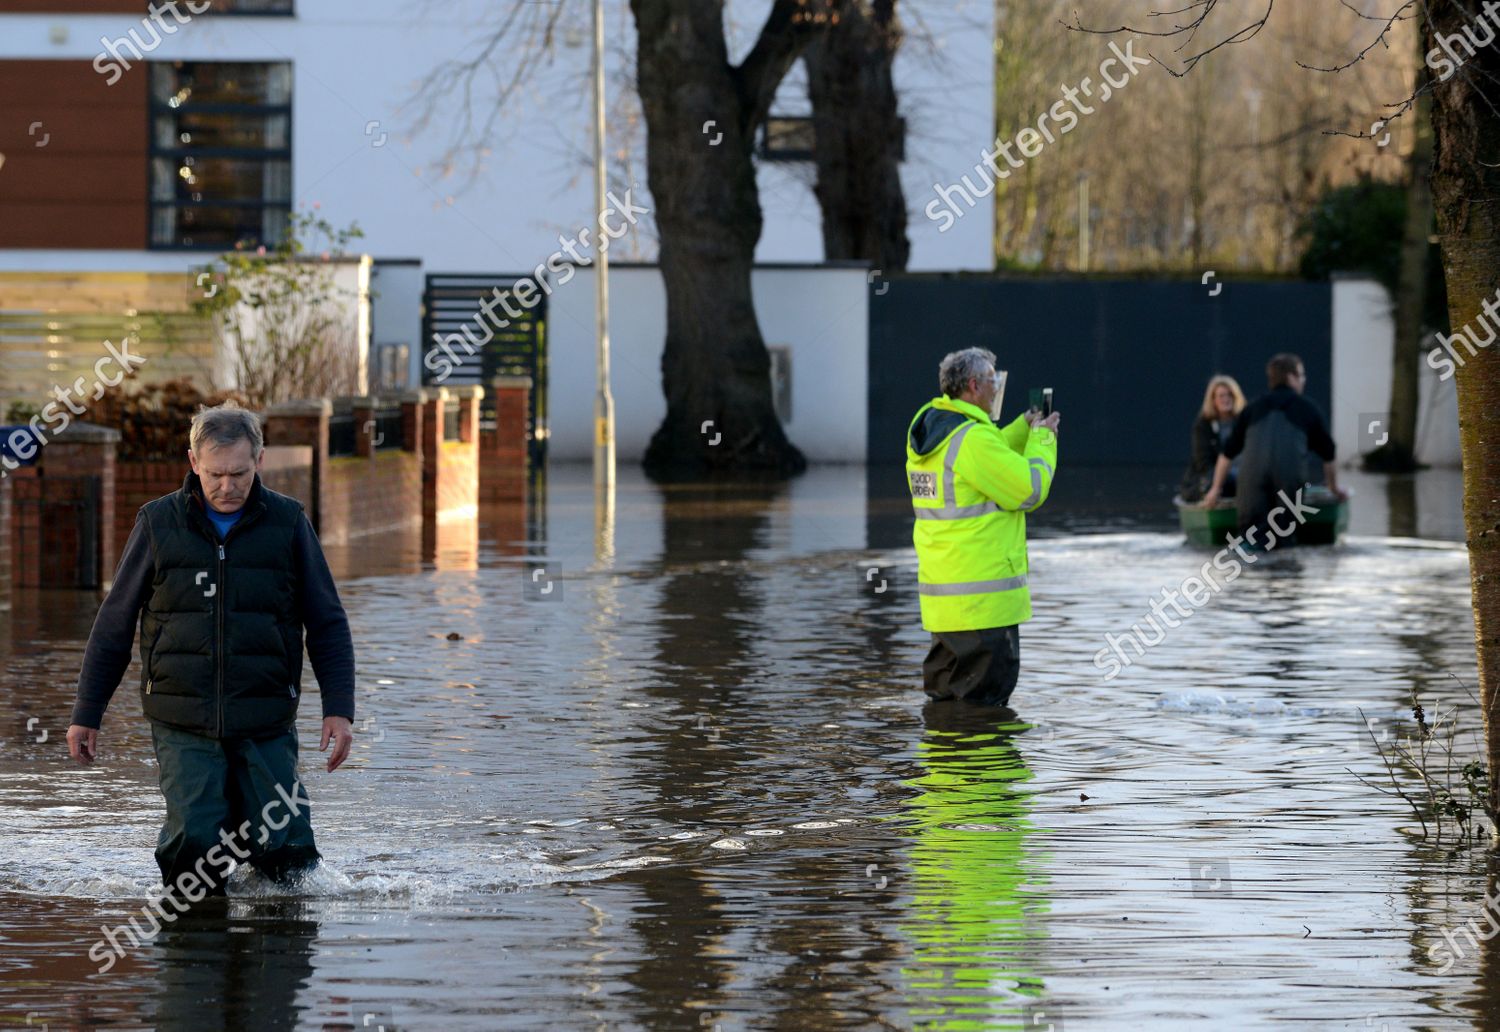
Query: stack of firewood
x,y
153,419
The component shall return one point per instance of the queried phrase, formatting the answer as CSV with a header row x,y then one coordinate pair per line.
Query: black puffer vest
x,y
221,637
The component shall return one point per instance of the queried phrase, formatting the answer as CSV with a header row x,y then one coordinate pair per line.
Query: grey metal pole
x,y
604,405
1084,226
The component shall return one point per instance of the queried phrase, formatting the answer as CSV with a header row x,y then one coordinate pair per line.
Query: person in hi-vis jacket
x,y
972,484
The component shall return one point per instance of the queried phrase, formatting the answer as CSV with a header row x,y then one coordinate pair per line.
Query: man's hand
x,y
336,729
1050,422
1211,499
83,743
1331,480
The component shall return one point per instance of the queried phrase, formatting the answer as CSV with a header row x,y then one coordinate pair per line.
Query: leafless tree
x,y
858,136
1461,46
701,112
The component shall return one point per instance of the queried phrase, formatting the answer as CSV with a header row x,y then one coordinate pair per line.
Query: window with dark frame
x,y
221,157
185,8
281,7
787,138
792,137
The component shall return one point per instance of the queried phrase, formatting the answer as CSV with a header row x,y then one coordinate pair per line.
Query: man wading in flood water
x,y
224,575
972,484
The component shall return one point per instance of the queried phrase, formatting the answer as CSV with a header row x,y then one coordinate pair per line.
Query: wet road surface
x,y
675,772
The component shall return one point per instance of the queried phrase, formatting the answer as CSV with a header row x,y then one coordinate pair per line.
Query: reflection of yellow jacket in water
x,y
973,929
972,484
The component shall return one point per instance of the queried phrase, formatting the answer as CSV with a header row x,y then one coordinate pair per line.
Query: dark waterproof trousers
x,y
232,800
979,667
1274,461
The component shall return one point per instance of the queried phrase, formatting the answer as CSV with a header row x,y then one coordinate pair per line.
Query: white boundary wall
x,y
1363,336
822,314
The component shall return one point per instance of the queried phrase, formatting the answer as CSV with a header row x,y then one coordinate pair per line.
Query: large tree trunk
x,y
1399,453
715,368
858,136
1466,191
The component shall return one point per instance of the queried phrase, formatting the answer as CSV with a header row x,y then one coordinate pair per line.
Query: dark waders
x,y
979,667
218,785
1274,460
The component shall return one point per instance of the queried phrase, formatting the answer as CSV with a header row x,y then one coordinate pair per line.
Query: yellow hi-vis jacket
x,y
972,484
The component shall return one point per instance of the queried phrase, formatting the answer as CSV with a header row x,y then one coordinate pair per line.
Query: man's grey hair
x,y
960,367
224,425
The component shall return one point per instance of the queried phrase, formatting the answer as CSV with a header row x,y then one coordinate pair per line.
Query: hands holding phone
x,y
1035,418
1041,412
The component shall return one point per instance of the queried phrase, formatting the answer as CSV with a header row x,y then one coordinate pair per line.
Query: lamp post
x,y
604,406
1084,225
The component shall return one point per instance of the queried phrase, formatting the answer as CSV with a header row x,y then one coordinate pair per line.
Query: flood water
x,y
670,768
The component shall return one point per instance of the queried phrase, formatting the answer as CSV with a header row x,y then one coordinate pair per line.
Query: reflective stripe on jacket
x,y
972,484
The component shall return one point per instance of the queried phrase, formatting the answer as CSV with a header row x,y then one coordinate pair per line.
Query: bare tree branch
x,y
788,29
1189,31
1380,37
458,88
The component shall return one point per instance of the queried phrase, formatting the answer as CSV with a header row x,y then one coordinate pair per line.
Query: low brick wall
x,y
48,532
364,496
305,424
504,448
61,529
425,482
458,480
287,469
450,469
137,483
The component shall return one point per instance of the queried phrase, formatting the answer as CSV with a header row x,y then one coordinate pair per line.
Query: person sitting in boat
x,y
1272,439
1222,402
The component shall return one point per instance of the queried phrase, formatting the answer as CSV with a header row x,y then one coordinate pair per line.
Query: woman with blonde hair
x,y
1222,402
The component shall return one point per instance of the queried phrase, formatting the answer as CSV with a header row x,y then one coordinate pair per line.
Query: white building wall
x,y
1364,335
395,314
345,286
358,152
945,89
821,313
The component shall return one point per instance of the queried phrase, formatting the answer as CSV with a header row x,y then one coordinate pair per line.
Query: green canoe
x,y
1211,528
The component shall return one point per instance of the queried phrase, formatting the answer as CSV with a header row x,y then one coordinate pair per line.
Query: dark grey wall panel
x,y
1128,359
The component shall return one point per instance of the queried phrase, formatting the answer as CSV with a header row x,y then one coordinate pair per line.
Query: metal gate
x,y
517,344
56,522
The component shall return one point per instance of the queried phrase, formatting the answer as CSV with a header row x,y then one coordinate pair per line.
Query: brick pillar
x,y
304,422
87,450
413,404
364,427
469,398
503,448
25,519
432,444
